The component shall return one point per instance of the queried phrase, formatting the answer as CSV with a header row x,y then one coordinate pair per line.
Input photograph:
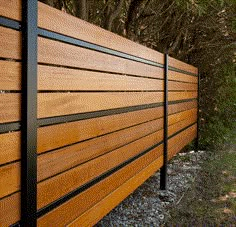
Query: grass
x,y
211,201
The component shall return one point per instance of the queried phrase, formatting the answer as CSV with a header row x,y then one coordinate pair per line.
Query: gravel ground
x,y
149,206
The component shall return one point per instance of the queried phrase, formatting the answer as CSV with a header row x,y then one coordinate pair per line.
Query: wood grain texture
x,y
60,22
173,108
174,96
56,104
181,124
73,132
172,119
53,52
174,85
52,189
10,146
10,109
95,213
10,43
181,140
172,75
59,78
182,65
10,178
65,158
11,9
73,208
10,75
10,210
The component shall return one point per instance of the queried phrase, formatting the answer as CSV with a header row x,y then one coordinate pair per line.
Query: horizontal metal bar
x,y
88,115
15,126
66,39
102,113
74,193
181,71
10,23
8,127
17,224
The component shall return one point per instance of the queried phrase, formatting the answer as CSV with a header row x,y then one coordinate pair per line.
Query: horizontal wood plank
x,y
73,208
174,85
182,106
95,213
10,178
182,65
58,53
59,78
181,140
52,189
177,76
174,118
181,125
56,104
73,132
10,146
10,75
57,21
65,158
174,96
10,109
10,210
11,9
10,43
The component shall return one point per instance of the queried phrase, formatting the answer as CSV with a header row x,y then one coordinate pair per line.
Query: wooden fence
x,y
93,119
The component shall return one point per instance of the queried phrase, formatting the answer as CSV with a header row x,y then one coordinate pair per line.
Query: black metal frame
x,y
198,114
163,171
29,114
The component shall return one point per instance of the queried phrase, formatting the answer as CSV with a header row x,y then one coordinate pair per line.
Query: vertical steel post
x,y
163,173
29,113
198,114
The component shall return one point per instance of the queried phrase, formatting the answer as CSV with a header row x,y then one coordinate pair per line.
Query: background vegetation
x,y
200,32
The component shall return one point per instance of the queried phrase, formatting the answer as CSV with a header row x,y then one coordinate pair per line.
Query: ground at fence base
x,y
148,206
212,198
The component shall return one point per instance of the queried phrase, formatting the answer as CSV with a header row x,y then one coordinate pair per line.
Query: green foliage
x,y
219,118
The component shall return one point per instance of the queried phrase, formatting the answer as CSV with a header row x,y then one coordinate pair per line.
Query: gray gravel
x,y
149,206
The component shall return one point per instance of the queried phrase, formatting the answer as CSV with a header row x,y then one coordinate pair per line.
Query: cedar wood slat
x,y
10,142
177,76
58,53
11,9
58,78
57,104
9,147
10,43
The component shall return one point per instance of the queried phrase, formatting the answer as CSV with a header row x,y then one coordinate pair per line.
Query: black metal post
x,y
198,114
29,113
163,176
